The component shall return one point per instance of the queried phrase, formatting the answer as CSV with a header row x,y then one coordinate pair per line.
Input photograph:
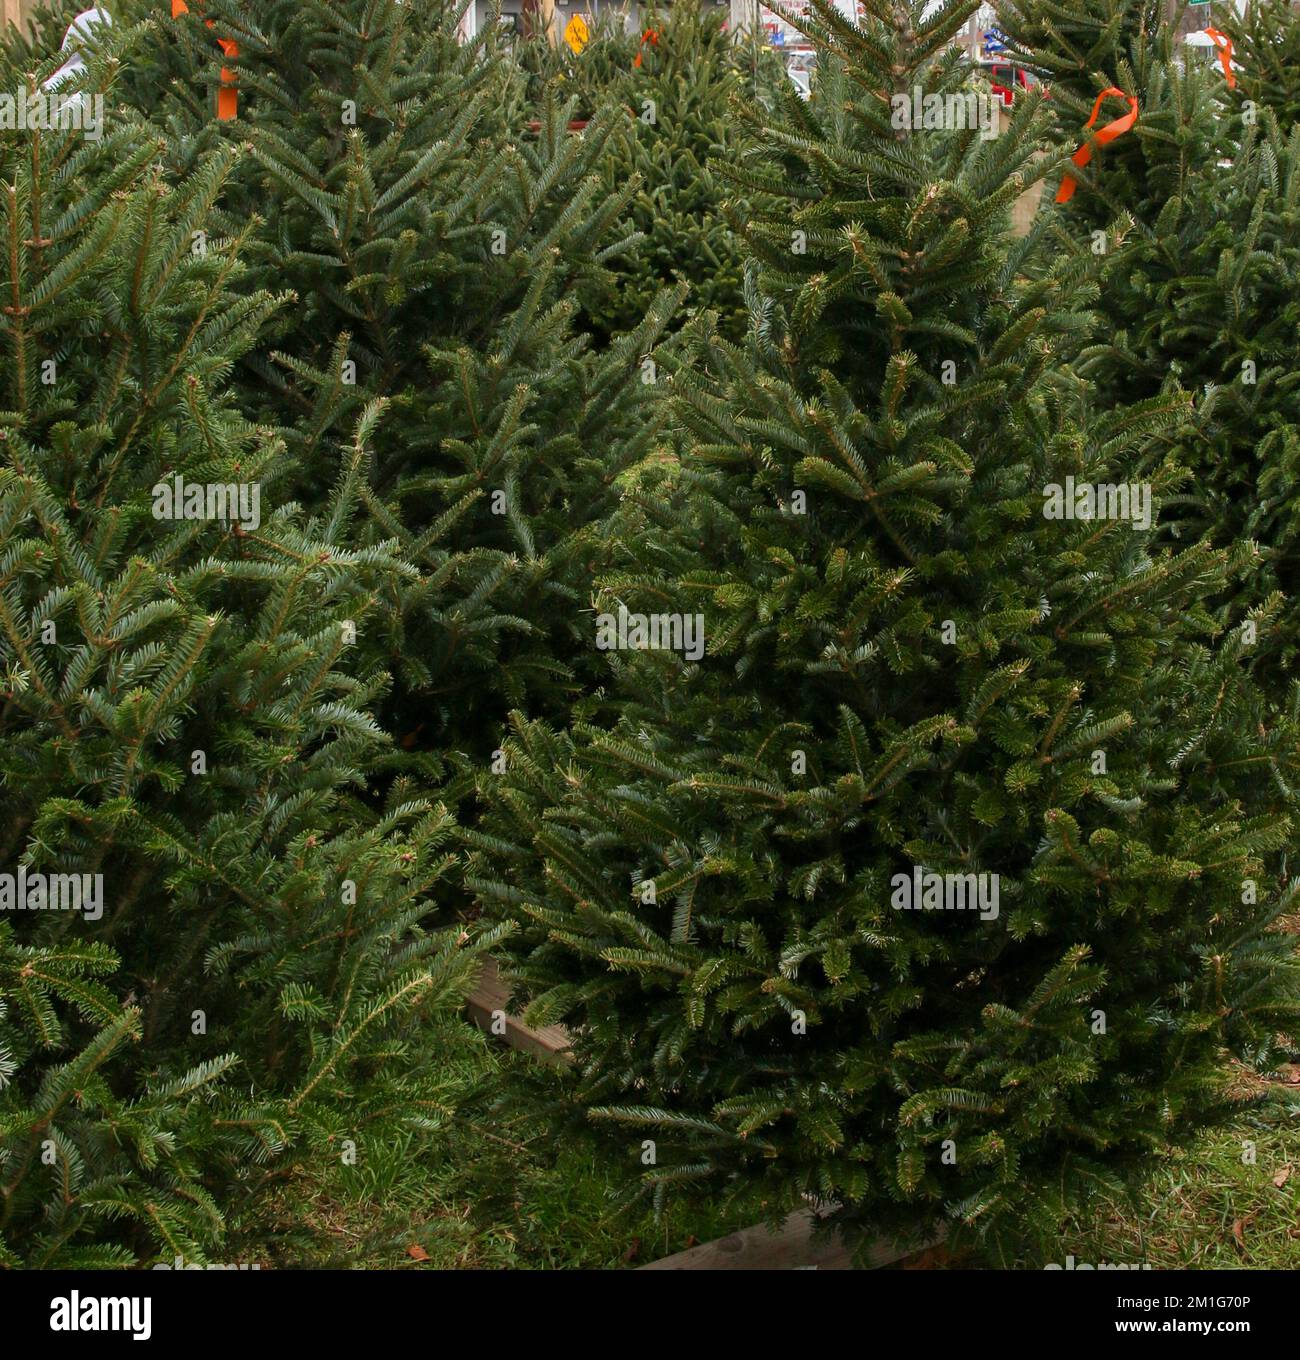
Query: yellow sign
x,y
576,33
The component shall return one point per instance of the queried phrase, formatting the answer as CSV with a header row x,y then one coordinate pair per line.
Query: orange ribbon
x,y
1102,137
1224,44
650,36
227,95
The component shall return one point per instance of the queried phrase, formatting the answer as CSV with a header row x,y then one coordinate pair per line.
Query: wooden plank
x,y
792,1246
487,1005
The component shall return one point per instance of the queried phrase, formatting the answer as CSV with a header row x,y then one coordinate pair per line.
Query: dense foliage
x,y
910,667
346,444
186,729
1195,215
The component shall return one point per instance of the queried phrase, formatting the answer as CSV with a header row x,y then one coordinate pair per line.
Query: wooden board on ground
x,y
488,1009
792,1246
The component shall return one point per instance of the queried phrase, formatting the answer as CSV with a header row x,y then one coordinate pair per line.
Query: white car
x,y
799,67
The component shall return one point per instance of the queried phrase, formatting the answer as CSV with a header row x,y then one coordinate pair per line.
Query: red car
x,y
1006,79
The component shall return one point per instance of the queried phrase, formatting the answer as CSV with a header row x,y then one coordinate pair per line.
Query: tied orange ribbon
x,y
1102,137
1224,44
227,95
650,36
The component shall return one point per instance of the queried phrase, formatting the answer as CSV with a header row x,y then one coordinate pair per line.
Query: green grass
x,y
1208,1209
477,1191
483,1190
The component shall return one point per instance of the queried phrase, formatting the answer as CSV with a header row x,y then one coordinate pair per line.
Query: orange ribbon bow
x,y
1102,137
227,95
1224,44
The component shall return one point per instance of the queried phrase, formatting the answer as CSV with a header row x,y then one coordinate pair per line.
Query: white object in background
x,y
468,26
78,30
1202,39
744,17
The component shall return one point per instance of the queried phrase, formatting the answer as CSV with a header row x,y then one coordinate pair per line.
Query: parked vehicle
x,y
799,66
1006,78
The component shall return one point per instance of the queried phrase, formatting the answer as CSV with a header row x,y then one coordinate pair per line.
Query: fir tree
x,y
437,249
1080,51
1199,279
913,667
587,76
677,78
679,90
186,730
1266,56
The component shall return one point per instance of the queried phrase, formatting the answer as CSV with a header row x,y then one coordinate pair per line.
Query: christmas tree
x,y
1266,56
679,89
921,855
212,952
1192,213
437,246
587,71
1109,64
